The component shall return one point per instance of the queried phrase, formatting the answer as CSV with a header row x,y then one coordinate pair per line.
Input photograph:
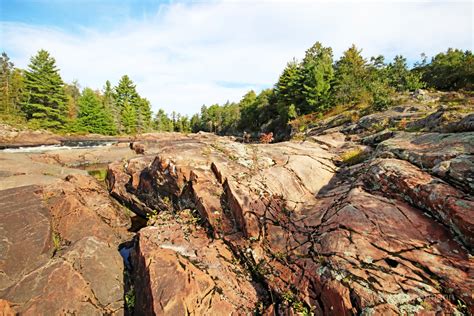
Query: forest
x,y
38,98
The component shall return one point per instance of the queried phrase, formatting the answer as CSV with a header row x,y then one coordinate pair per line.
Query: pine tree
x,y
247,110
196,123
351,78
144,115
400,77
317,74
162,122
109,103
451,70
44,101
128,102
129,118
288,89
125,92
93,117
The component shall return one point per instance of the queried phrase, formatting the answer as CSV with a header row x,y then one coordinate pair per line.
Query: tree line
x,y
318,83
39,98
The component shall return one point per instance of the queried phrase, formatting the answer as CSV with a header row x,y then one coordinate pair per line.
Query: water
x,y
66,145
125,253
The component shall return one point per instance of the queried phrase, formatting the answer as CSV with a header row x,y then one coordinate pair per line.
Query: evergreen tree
x,y
131,106
247,110
144,115
317,74
129,118
351,78
288,90
162,122
400,77
109,103
378,83
93,117
125,92
196,123
44,101
452,70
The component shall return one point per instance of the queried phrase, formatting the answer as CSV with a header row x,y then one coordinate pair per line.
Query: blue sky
x,y
73,15
182,54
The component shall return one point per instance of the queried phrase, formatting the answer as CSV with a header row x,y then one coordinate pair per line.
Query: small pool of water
x,y
125,253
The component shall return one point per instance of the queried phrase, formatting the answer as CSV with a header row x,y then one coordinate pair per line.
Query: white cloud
x,y
179,55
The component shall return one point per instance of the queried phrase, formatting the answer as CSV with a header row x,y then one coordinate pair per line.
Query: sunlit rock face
x,y
384,236
349,219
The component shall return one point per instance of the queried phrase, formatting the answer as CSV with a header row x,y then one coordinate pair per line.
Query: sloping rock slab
x,y
180,271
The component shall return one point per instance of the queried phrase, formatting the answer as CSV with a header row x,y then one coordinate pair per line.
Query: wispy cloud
x,y
183,55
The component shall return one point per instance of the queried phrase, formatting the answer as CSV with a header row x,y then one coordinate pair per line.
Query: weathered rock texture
x,y
59,249
370,215
387,236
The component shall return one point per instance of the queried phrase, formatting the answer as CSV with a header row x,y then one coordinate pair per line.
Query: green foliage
x,y
317,74
452,70
56,239
130,298
108,101
351,77
99,174
401,78
129,118
133,110
11,86
353,156
93,116
44,100
144,115
288,90
73,93
298,306
162,122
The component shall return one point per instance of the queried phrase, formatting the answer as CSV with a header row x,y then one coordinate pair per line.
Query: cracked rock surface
x,y
59,249
387,236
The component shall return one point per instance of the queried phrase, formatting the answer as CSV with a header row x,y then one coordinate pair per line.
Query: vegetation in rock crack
x,y
291,299
353,156
130,298
56,238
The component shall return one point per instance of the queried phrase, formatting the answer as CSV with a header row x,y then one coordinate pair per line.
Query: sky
x,y
183,54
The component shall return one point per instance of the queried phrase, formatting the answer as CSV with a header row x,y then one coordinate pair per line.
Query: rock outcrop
x,y
60,249
380,237
368,215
